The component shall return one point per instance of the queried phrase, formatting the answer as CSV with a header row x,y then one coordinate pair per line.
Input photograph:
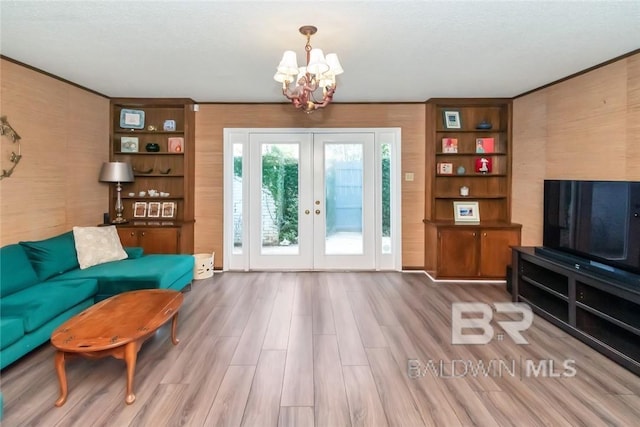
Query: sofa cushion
x,y
148,272
11,330
44,301
16,271
53,256
134,252
97,245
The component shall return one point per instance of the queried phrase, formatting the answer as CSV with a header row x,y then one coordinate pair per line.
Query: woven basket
x,y
203,268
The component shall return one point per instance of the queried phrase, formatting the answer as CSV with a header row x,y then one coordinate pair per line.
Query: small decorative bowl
x,y
483,125
152,147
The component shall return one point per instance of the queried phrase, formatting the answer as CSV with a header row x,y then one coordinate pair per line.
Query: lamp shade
x,y
116,172
334,64
317,63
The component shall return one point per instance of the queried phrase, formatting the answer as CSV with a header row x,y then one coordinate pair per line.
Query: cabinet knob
x,y
132,234
473,234
143,233
484,234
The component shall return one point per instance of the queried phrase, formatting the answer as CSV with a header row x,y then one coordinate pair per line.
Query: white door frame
x,y
239,260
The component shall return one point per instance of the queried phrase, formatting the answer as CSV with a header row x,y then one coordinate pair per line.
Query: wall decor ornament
x,y
6,129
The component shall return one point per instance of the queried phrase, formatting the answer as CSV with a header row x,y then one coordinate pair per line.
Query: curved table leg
x,y
62,378
174,325
130,356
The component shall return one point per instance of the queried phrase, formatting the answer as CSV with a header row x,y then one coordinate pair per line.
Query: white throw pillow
x,y
97,245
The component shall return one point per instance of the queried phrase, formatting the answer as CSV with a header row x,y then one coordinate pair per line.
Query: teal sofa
x,y
41,286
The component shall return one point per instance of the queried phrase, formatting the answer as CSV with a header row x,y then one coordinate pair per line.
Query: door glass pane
x,y
279,199
343,199
237,198
386,198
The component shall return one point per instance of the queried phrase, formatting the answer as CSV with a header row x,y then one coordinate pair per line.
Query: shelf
x,y
471,154
471,197
151,198
148,153
544,288
608,318
449,131
147,132
157,175
468,175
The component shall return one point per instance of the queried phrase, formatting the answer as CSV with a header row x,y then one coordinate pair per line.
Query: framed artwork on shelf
x,y
484,165
129,144
176,144
449,145
168,210
445,168
452,119
131,119
139,209
153,211
169,125
485,145
466,212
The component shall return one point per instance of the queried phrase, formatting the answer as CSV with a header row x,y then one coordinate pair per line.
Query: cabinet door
x,y
495,251
457,253
159,240
128,236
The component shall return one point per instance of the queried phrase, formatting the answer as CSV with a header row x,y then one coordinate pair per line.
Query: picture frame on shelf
x,y
140,209
485,145
484,165
452,119
131,119
168,210
176,144
445,168
129,144
466,212
153,210
169,125
449,145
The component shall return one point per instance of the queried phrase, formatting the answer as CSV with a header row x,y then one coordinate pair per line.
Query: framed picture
x,y
445,168
168,210
176,144
129,144
484,145
484,165
131,119
466,212
139,209
153,211
452,119
449,145
169,125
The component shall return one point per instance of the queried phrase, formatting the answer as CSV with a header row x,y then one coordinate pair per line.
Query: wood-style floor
x,y
329,349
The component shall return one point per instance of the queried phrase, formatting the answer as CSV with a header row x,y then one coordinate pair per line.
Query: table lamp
x,y
117,172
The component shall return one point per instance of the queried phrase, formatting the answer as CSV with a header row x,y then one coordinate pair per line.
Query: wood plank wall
x,y
587,127
213,118
64,132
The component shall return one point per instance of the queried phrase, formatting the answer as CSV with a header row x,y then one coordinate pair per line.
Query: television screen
x,y
599,220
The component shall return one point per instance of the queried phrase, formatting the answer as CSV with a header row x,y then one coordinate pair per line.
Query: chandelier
x,y
300,85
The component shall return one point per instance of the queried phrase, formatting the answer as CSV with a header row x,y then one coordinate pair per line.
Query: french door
x,y
311,198
305,200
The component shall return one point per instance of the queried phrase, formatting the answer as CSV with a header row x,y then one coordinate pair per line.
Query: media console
x,y
598,309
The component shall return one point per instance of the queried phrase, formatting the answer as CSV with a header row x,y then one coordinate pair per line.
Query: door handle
x,y
317,211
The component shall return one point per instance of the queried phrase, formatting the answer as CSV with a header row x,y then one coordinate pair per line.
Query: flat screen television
x,y
596,222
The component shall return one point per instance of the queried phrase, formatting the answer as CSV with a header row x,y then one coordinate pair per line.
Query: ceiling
x,y
392,51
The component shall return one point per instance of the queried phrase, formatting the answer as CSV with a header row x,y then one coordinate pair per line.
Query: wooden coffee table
x,y
116,327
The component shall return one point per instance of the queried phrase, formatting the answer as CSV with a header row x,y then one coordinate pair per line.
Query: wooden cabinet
x,y
160,240
601,311
157,137
456,153
472,252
